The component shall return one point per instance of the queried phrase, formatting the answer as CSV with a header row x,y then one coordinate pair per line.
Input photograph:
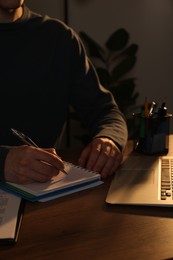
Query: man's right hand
x,y
26,164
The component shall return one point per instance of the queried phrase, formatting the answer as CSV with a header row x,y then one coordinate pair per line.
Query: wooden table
x,y
82,226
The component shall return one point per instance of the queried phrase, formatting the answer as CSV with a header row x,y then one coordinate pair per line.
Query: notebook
x,y
11,213
143,180
77,179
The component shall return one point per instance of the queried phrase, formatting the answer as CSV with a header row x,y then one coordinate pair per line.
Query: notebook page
x,y
76,175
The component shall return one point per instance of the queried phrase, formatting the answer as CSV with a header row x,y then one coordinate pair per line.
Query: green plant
x,y
112,63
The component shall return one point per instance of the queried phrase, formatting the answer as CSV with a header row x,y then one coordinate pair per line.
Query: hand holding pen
x,y
27,140
26,163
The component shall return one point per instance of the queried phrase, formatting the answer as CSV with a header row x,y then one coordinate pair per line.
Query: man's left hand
x,y
102,156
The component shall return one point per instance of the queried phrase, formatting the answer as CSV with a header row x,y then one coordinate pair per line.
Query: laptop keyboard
x,y
166,178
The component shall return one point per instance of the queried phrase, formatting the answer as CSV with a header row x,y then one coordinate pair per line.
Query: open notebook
x,y
143,180
77,179
11,213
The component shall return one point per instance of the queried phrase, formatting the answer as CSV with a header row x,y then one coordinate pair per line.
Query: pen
x,y
162,110
26,140
146,107
151,111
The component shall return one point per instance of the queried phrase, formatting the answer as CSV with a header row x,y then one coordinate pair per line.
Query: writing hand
x,y
27,164
102,156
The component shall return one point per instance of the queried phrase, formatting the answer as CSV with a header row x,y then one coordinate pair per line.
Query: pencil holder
x,y
151,134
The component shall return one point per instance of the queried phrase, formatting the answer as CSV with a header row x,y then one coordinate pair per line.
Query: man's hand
x,y
102,156
27,164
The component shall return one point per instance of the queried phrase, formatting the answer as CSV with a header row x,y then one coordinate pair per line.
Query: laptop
x,y
143,180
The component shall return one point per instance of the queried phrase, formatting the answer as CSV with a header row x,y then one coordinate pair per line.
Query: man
x,y
44,70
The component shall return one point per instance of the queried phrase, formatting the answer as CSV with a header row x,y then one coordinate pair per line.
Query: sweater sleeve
x,y
95,104
3,153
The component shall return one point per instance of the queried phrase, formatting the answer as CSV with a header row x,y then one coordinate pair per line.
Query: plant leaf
x,y
118,40
94,49
123,67
125,93
130,50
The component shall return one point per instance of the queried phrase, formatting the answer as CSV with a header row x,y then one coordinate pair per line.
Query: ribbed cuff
x,y
3,153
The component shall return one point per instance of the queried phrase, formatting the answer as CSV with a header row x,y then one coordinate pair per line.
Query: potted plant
x,y
112,63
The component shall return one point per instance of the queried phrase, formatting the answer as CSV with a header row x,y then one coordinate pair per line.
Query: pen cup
x,y
151,134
